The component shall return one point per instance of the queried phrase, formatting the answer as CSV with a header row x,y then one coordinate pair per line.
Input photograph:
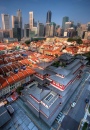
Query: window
x,y
49,97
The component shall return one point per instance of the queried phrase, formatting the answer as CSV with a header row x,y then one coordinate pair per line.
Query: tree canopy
x,y
87,55
78,40
18,90
27,42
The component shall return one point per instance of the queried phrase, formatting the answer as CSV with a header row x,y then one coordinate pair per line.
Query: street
x,y
75,114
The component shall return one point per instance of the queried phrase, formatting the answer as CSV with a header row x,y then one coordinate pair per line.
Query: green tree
x,y
78,40
70,39
87,55
18,90
27,42
85,126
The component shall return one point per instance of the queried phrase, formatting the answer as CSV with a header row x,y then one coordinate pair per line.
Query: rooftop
x,y
62,81
62,71
36,92
4,116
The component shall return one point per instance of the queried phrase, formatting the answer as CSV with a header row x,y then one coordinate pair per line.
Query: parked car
x,y
73,104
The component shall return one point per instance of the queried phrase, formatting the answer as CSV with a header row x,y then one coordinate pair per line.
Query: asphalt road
x,y
72,120
69,124
78,111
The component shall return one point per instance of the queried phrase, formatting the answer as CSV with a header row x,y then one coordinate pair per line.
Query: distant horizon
x,y
76,10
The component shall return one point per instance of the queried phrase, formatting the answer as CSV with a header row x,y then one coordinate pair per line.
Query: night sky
x,y
77,10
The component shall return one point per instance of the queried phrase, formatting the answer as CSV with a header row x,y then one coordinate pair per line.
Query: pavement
x,y
19,120
86,117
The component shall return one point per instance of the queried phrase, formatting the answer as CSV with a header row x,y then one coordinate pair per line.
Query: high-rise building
x,y
26,30
48,18
68,25
32,25
19,15
87,35
88,26
65,19
31,20
58,31
17,33
81,30
47,29
5,21
15,22
35,30
35,24
40,29
52,29
1,35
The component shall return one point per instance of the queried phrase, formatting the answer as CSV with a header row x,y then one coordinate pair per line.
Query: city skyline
x,y
59,9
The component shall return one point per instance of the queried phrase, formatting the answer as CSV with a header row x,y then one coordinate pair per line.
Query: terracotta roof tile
x,y
3,82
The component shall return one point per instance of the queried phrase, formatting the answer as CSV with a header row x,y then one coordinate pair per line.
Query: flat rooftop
x,y
4,116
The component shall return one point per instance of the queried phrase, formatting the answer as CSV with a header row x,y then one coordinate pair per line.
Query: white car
x,y
73,104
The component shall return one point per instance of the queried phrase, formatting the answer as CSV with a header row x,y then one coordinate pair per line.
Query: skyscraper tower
x,y
31,20
19,15
65,19
15,22
48,18
40,29
5,21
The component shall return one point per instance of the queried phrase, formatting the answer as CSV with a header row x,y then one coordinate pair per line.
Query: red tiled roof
x,y
15,76
18,58
10,79
25,62
9,67
3,70
3,82
21,75
2,48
